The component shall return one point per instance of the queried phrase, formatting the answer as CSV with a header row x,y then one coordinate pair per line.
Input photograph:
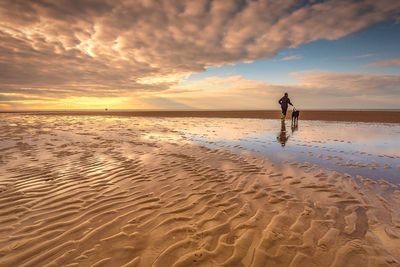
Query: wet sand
x,y
112,191
386,116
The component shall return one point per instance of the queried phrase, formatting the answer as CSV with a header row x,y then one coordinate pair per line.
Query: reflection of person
x,y
284,101
282,137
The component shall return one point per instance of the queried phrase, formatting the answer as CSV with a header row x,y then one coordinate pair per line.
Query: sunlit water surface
x,y
368,149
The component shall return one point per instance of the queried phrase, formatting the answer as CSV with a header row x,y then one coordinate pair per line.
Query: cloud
x,y
292,57
348,84
312,90
385,63
15,97
165,103
365,55
107,48
361,56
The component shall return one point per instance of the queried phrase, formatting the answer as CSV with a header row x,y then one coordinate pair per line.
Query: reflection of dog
x,y
295,117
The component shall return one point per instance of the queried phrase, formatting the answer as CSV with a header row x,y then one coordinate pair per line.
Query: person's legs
x,y
284,110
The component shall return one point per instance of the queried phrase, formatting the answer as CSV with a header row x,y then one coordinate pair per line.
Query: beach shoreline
x,y
380,116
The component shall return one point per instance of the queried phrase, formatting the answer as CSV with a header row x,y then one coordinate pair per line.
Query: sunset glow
x,y
199,54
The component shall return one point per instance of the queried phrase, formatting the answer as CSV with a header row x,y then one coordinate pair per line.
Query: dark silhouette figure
x,y
295,117
283,137
284,102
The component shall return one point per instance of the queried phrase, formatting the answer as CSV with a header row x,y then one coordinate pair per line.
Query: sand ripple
x,y
97,192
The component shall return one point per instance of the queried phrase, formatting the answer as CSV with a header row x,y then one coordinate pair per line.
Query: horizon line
x,y
190,110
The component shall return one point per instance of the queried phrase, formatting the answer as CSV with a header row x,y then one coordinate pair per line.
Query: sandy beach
x,y
136,191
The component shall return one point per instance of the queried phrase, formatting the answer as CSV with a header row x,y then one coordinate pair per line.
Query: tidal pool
x,y
368,149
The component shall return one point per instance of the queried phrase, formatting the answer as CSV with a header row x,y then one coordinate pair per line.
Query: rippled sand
x,y
111,191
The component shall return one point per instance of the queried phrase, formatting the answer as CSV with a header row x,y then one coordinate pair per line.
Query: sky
x,y
203,54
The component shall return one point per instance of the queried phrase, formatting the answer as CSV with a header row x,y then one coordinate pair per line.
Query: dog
x,y
295,117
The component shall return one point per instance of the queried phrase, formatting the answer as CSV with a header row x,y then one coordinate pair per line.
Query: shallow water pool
x,y
368,149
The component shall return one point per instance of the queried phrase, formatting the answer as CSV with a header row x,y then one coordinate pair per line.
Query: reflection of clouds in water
x,y
365,137
347,131
217,128
367,149
347,147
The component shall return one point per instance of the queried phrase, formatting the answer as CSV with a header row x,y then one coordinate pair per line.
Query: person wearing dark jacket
x,y
284,102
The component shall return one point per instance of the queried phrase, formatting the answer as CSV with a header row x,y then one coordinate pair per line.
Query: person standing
x,y
284,102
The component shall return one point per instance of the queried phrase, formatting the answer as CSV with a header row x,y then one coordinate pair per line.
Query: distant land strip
x,y
383,116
